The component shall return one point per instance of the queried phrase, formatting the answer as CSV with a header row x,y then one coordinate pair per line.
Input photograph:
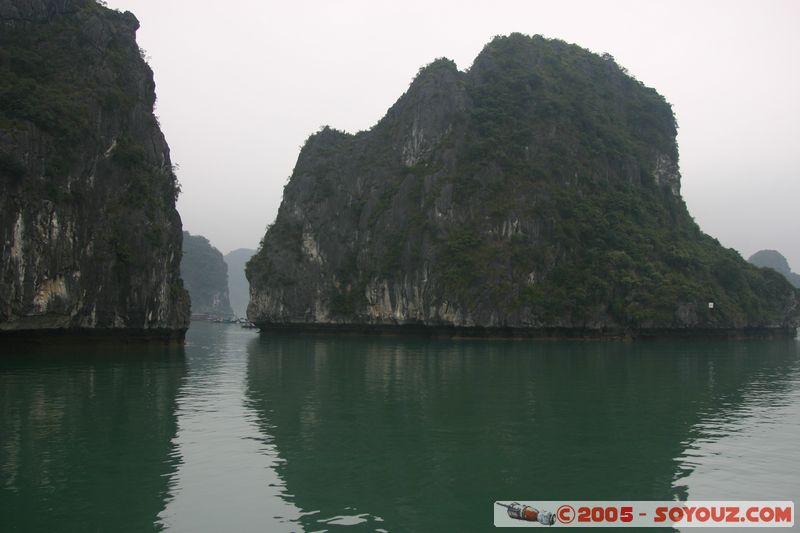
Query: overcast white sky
x,y
242,83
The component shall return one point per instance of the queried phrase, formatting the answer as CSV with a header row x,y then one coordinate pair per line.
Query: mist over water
x,y
291,433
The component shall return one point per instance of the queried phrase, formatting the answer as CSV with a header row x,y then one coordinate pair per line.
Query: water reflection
x,y
244,433
226,475
85,435
418,435
745,447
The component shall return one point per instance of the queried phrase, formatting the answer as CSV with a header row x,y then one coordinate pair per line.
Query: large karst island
x,y
91,239
537,193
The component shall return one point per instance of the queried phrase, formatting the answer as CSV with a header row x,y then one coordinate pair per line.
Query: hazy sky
x,y
242,83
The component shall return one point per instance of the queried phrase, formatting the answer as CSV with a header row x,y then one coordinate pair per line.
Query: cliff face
x,y
205,275
91,239
538,190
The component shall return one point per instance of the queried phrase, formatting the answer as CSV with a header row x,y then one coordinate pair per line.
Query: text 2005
x,y
605,514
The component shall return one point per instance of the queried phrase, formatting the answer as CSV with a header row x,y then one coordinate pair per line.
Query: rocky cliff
x,y
537,192
776,261
205,275
91,239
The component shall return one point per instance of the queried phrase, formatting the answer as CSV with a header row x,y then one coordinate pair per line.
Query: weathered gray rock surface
x,y
91,239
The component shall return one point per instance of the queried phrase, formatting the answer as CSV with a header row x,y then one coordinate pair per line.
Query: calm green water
x,y
240,433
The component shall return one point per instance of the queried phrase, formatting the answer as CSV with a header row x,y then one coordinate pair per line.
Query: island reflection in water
x,y
418,434
86,435
289,433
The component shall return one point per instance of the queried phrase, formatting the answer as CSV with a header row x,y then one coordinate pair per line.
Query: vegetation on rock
x,y
539,189
205,275
91,236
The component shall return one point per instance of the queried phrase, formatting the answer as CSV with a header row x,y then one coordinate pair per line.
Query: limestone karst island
x,y
91,236
489,305
537,193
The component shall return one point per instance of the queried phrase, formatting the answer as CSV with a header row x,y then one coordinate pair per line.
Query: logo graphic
x,y
528,513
